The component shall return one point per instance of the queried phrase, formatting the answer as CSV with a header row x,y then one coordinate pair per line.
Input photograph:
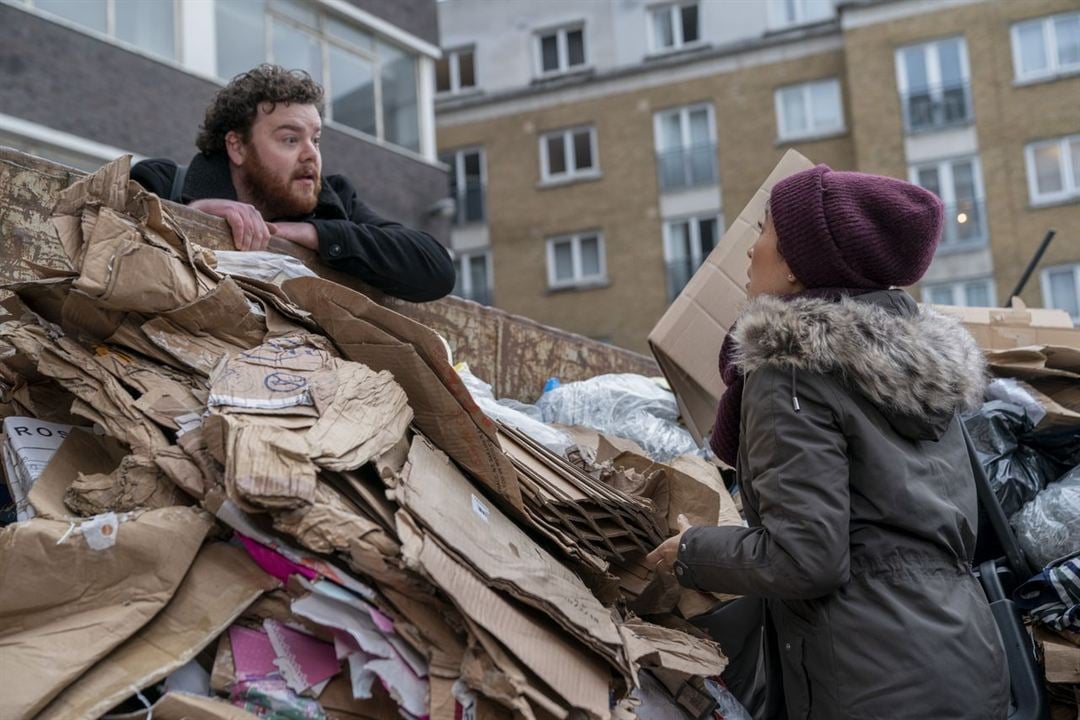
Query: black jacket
x,y
400,261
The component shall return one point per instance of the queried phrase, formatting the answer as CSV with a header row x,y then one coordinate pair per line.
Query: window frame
x,y
459,179
561,48
697,257
1044,276
783,135
675,11
110,35
578,280
1049,35
1070,183
326,39
453,59
461,265
958,289
773,21
935,86
572,173
944,168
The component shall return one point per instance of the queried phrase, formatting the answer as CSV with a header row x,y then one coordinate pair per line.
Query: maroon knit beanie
x,y
853,230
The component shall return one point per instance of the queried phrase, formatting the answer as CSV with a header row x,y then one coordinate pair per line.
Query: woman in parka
x,y
841,418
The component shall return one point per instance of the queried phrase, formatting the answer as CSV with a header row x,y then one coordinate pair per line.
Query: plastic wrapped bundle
x,y
628,406
1017,472
526,418
1048,527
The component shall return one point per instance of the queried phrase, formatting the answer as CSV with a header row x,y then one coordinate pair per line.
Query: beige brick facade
x,y
624,202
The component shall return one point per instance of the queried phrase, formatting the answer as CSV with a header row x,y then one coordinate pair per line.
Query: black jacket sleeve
x,y
155,175
400,261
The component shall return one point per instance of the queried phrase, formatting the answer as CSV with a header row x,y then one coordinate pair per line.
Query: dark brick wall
x,y
418,17
69,81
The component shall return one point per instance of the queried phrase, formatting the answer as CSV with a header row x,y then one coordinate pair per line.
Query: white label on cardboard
x,y
100,531
482,511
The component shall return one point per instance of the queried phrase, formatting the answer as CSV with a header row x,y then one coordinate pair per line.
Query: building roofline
x,y
687,58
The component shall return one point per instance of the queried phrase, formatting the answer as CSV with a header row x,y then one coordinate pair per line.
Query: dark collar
x,y
208,176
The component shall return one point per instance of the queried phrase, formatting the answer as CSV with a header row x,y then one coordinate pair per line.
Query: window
x,y
371,85
935,90
786,13
674,26
474,277
149,26
1061,289
559,51
968,293
467,184
1046,47
686,147
576,260
1053,169
809,109
456,71
958,182
687,242
568,154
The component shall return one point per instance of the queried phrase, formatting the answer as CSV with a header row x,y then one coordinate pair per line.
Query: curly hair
x,y
235,106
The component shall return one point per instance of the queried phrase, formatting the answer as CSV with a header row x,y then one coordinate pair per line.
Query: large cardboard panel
x,y
65,605
444,500
222,582
1016,326
444,410
686,342
576,676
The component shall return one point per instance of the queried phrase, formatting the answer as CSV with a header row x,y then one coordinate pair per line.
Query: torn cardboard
x,y
60,623
686,342
580,680
444,500
384,340
1016,326
222,582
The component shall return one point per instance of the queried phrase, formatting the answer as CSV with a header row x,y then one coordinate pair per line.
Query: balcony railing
x,y
937,107
470,203
687,167
480,295
679,273
965,226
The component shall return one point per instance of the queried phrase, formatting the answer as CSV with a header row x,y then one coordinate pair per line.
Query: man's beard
x,y
277,198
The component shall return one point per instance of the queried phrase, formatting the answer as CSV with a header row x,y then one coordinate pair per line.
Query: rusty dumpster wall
x,y
515,354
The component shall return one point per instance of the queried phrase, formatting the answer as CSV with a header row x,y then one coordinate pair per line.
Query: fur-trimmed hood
x,y
917,365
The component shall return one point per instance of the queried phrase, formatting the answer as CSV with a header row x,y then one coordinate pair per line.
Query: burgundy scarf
x,y
724,440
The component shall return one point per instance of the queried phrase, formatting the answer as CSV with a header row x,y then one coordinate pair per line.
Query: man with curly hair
x,y
259,167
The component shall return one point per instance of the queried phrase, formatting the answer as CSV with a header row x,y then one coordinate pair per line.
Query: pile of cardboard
x,y
283,501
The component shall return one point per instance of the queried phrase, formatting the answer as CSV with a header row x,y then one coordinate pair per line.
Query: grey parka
x,y
862,510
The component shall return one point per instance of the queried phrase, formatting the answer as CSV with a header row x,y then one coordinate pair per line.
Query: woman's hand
x,y
663,558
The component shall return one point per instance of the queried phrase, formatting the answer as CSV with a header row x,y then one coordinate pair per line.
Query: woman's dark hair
x,y
236,105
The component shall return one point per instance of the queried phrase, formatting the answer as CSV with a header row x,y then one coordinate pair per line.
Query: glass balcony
x,y
937,108
965,226
470,203
687,167
679,273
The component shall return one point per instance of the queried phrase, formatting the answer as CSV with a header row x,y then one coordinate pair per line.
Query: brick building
x,y
596,148
83,81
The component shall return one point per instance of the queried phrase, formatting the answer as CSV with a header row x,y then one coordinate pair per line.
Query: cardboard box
x,y
1015,327
686,342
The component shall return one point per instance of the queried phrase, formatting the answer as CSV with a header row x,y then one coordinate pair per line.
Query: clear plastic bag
x,y
627,406
1048,527
526,418
1016,470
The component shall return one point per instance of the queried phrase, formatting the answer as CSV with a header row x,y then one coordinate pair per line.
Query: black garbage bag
x,y
1017,471
1060,444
